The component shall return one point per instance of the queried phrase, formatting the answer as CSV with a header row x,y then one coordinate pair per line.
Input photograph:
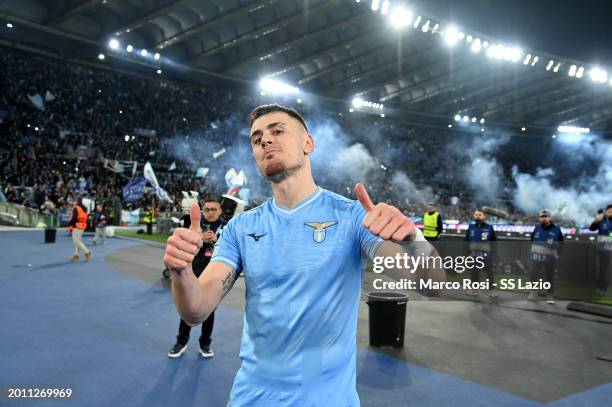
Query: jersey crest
x,y
318,233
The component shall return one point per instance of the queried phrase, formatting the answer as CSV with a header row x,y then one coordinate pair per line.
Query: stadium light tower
x,y
400,17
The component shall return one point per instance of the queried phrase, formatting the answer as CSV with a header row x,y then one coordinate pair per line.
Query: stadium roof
x,y
426,71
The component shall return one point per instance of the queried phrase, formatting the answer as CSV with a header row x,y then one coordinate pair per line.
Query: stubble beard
x,y
276,171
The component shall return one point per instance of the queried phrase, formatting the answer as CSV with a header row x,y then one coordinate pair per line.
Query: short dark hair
x,y
275,107
212,198
609,207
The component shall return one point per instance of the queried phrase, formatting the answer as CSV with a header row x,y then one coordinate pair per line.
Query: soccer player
x,y
302,254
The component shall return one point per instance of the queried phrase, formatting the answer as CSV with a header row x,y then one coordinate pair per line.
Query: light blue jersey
x,y
303,269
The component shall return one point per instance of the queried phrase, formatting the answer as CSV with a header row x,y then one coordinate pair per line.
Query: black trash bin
x,y
387,318
50,235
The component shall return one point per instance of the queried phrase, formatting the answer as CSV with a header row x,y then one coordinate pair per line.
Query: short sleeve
x,y
227,248
368,242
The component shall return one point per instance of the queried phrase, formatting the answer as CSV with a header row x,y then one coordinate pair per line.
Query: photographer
x,y
211,225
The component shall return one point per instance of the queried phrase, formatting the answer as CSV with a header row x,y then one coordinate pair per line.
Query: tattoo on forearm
x,y
228,281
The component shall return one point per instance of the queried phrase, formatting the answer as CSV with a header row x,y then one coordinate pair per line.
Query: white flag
x,y
201,172
219,153
149,174
37,101
172,166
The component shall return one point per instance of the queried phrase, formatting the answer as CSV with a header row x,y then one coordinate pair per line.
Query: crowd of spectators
x,y
60,121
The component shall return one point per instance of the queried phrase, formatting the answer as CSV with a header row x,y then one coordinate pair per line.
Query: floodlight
x,y
400,17
274,86
476,46
385,8
451,35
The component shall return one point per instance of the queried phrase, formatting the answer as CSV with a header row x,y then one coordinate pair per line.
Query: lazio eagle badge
x,y
318,234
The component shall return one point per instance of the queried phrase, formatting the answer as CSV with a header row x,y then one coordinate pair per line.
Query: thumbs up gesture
x,y
184,244
384,220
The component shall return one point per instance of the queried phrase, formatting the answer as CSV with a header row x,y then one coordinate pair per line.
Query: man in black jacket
x,y
212,225
603,225
100,220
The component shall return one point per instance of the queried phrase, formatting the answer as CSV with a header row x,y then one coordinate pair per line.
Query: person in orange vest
x,y
77,225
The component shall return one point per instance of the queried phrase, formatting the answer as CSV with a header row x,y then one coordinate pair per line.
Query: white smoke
x,y
201,149
409,192
338,159
577,199
482,173
354,162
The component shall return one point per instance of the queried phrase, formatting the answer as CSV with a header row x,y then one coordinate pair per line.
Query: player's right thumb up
x,y
195,216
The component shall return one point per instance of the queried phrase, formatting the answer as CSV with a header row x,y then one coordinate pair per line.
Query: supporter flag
x,y
235,181
201,172
219,153
119,166
131,218
134,189
37,101
244,195
172,166
145,132
150,176
49,97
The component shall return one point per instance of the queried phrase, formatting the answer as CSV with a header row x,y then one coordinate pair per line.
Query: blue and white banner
x,y
134,190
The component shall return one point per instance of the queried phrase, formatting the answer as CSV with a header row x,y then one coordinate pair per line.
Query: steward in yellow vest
x,y
432,223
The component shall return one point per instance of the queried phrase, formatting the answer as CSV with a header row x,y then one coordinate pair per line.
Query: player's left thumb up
x,y
364,198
